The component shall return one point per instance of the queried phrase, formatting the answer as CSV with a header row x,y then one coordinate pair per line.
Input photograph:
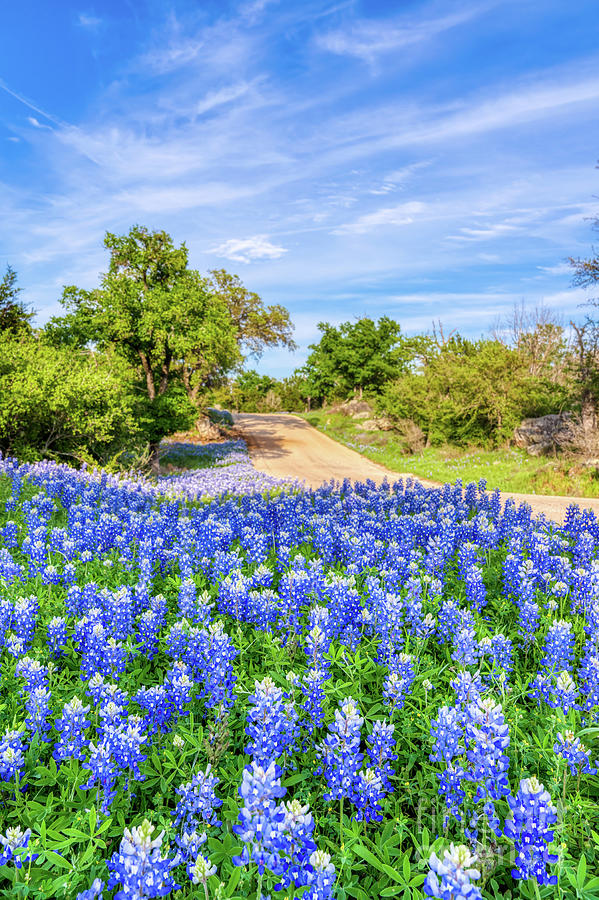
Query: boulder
x,y
220,416
382,424
354,408
545,434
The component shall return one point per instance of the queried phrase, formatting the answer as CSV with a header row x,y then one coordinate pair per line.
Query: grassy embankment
x,y
507,469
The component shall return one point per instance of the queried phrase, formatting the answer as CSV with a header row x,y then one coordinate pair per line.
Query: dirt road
x,y
287,447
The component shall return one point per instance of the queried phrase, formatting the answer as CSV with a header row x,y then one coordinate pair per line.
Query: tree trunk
x,y
166,369
151,387
154,460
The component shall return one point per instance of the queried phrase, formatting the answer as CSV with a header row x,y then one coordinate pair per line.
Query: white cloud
x,y
560,269
222,96
403,214
257,247
35,122
87,20
367,40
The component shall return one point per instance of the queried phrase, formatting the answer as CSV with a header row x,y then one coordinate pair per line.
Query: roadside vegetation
x,y
509,469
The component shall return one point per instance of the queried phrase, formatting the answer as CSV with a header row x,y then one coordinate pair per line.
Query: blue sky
x,y
423,160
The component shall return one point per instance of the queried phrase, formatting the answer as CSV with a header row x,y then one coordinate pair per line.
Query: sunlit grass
x,y
509,469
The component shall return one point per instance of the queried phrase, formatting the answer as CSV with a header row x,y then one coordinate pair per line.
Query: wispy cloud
x,y
368,39
249,249
402,214
87,20
257,120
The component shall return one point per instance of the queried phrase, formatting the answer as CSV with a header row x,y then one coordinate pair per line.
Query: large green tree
x,y
357,355
161,317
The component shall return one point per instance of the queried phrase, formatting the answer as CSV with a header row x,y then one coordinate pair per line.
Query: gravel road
x,y
288,447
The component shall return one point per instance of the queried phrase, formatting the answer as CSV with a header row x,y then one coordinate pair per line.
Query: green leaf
x,y
581,871
233,881
378,864
58,860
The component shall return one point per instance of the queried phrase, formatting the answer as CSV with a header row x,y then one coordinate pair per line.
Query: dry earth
x,y
288,447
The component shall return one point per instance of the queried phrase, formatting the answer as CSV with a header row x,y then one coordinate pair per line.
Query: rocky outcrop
x,y
545,434
381,424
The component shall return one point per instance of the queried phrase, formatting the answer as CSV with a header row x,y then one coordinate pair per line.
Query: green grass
x,y
507,469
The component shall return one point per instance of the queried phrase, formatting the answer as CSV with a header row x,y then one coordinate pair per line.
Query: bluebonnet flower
x,y
299,843
104,772
447,731
12,759
57,636
380,745
114,658
370,791
528,621
486,738
570,748
451,788
451,878
465,647
556,691
448,620
340,752
272,723
39,714
179,687
188,845
499,651
198,803
138,868
559,647
313,703
71,727
33,671
93,892
320,877
11,843
468,687
530,827
399,682
588,676
200,871
476,592
125,741
25,618
159,711
150,625
261,820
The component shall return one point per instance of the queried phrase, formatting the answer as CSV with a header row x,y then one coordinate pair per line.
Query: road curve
x,y
288,447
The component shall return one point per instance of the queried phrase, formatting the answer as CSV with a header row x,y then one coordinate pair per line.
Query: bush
x,y
61,403
471,393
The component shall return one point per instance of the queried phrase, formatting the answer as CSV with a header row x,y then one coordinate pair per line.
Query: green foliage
x,y
507,469
471,392
64,403
14,315
256,326
357,355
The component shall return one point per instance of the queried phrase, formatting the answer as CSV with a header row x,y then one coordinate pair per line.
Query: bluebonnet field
x,y
362,692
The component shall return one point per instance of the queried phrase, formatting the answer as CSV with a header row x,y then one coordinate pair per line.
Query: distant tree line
x,y
451,388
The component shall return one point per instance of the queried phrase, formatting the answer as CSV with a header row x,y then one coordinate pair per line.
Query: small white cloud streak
x,y
88,21
403,214
368,40
249,249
